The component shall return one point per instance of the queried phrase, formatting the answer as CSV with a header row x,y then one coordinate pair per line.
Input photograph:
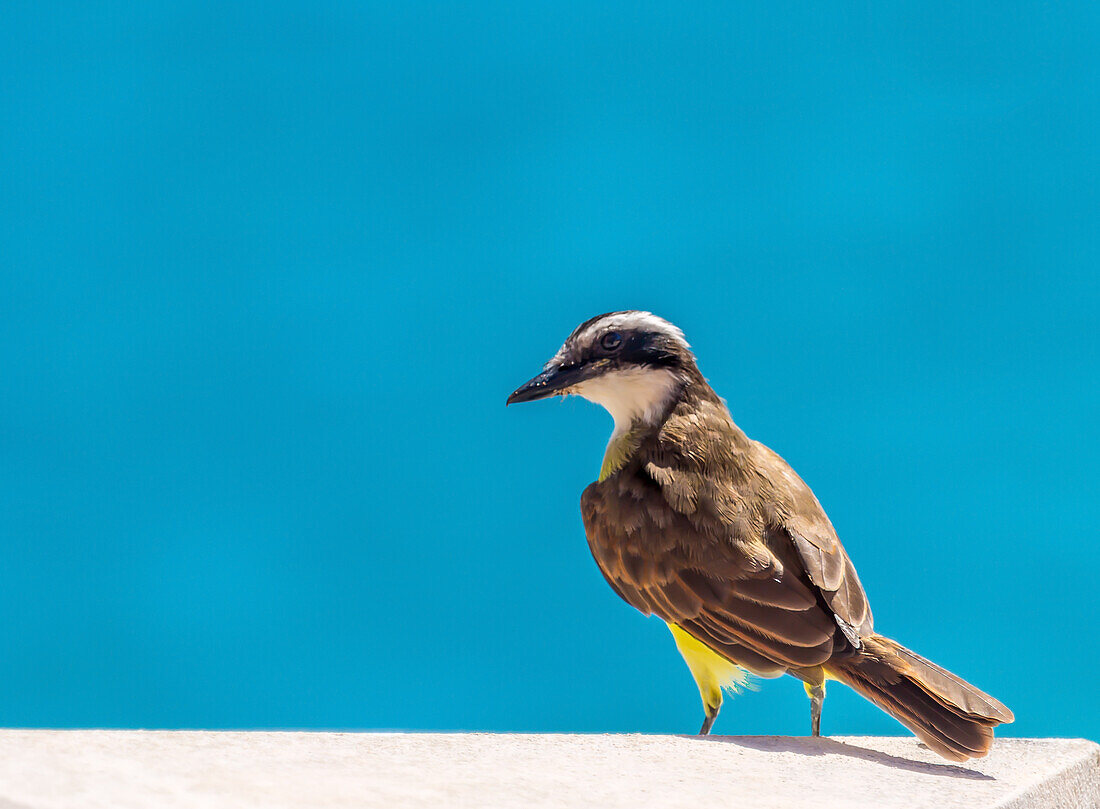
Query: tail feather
x,y
947,713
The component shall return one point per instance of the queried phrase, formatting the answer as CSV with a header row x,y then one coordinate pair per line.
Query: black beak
x,y
553,379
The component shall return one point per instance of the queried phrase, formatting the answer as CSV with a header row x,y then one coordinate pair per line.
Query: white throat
x,y
632,395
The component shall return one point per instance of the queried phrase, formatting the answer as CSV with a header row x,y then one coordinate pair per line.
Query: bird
x,y
694,522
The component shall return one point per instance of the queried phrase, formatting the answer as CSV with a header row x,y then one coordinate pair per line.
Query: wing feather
x,y
729,544
774,627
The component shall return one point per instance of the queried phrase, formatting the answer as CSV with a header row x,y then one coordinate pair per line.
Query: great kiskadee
x,y
694,522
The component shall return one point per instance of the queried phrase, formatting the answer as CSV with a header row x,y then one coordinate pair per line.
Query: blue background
x,y
269,271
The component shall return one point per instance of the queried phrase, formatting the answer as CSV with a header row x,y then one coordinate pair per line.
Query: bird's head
x,y
632,363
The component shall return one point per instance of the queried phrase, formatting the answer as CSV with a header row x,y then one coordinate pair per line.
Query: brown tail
x,y
948,714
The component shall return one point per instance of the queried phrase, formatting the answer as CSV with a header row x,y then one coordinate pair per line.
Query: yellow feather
x,y
711,671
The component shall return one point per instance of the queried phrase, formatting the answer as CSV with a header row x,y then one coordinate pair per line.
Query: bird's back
x,y
715,533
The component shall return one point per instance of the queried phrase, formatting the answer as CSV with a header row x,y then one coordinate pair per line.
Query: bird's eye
x,y
611,341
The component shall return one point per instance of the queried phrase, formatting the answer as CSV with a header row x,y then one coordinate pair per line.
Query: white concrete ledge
x,y
43,769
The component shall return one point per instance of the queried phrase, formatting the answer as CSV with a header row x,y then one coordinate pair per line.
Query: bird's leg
x,y
712,714
816,693
712,704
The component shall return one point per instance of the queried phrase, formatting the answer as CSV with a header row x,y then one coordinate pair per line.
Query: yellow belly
x,y
711,671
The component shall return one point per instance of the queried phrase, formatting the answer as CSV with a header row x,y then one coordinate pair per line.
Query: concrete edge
x,y
1074,786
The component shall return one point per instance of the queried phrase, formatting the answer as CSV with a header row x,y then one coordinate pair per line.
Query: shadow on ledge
x,y
821,745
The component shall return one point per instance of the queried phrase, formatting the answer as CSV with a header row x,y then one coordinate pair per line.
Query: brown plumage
x,y
715,533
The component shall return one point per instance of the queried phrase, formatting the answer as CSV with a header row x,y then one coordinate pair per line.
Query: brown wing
x,y
730,545
823,557
737,597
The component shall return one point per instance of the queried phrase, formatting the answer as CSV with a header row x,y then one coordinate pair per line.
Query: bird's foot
x,y
817,699
707,723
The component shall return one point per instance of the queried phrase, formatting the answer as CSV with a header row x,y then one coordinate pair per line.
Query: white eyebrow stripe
x,y
628,321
